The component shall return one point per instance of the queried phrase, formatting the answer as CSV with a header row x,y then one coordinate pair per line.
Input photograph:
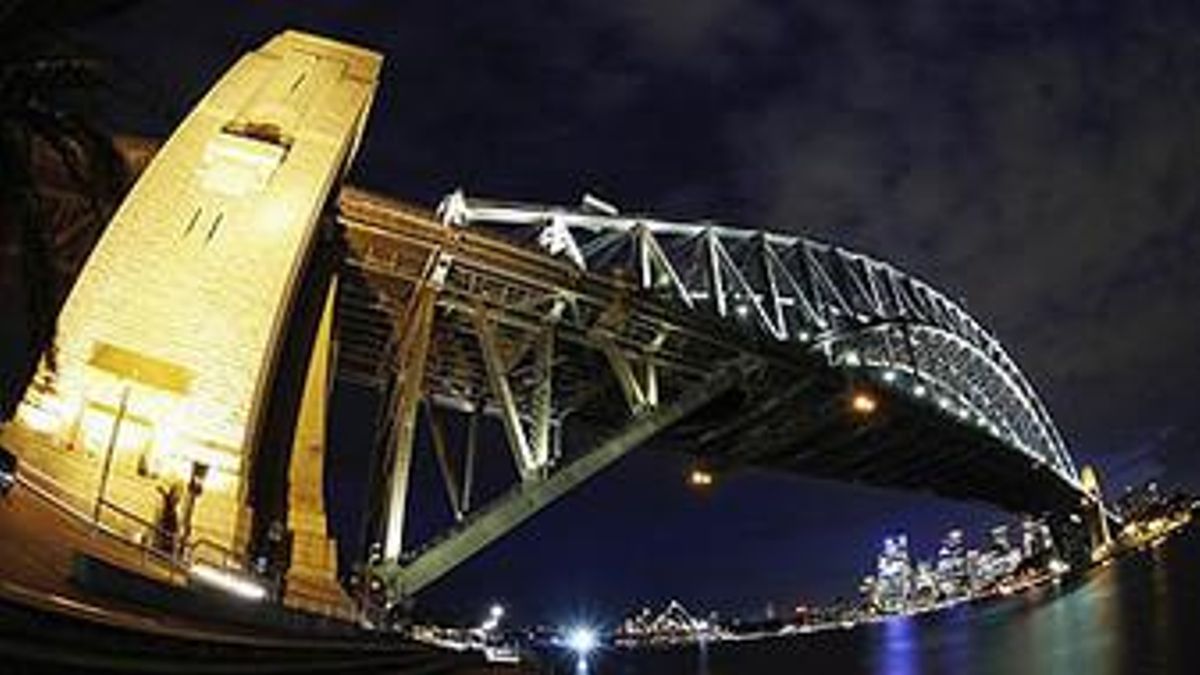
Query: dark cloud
x,y
1044,174
708,36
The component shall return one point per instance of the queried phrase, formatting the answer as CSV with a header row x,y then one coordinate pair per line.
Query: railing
x,y
45,489
212,553
133,530
141,538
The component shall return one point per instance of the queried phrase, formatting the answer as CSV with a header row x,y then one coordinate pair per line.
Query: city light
x,y
904,584
863,403
700,478
582,640
492,622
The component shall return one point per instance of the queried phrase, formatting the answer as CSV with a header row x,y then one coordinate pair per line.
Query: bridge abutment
x,y
154,404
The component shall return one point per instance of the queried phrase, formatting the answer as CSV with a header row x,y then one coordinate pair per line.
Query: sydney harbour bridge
x,y
740,347
240,280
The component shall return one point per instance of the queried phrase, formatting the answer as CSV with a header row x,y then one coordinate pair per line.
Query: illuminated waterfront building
x,y
952,577
1035,539
675,624
894,580
868,590
998,539
924,584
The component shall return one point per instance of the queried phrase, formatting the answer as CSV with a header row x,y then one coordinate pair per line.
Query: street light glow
x,y
700,478
863,403
492,622
582,640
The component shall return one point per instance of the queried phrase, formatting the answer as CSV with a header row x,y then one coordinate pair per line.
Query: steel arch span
x,y
860,312
741,348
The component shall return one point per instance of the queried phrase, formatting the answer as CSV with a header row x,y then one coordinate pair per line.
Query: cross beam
x,y
526,499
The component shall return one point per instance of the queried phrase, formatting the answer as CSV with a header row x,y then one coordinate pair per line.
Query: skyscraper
x,y
952,577
1035,539
894,578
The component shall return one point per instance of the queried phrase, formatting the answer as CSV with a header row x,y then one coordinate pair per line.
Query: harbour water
x,y
1139,614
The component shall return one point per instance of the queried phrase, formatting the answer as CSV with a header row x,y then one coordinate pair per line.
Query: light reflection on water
x,y
1077,631
1135,616
702,659
897,649
1042,631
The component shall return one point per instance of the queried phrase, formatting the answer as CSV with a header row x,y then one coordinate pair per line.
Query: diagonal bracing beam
x,y
437,433
635,395
413,352
527,499
413,360
518,443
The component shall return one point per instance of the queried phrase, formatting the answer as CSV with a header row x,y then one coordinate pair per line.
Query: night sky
x,y
1037,159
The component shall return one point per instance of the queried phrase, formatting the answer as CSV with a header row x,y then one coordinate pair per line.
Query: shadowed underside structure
x,y
740,347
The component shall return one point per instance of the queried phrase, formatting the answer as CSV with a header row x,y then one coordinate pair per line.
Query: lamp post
x,y
108,453
194,488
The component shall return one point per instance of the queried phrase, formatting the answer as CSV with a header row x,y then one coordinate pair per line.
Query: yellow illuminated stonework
x,y
166,343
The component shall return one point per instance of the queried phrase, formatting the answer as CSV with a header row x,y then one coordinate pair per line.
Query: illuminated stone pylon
x,y
1094,515
168,345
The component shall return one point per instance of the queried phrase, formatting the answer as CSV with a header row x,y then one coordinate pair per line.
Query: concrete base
x,y
102,578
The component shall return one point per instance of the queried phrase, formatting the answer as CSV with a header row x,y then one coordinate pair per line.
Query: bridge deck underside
x,y
808,429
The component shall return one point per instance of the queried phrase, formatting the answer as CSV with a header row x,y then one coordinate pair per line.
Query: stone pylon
x,y
168,345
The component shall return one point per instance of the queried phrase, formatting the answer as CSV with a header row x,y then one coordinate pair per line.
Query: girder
x,y
795,289
437,558
520,337
544,318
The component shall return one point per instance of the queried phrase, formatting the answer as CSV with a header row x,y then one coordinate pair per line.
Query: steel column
x,y
413,357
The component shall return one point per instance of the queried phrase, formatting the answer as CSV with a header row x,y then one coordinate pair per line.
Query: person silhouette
x,y
167,527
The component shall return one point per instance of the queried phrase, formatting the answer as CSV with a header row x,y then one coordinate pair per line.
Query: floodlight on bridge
x,y
229,581
863,403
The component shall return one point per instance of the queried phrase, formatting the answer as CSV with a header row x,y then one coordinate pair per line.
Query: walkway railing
x,y
159,553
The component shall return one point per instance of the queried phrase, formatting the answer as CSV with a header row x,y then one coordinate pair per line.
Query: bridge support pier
x,y
169,357
1094,514
312,572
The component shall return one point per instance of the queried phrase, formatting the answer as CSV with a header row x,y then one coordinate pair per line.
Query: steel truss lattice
x,y
549,319
862,313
